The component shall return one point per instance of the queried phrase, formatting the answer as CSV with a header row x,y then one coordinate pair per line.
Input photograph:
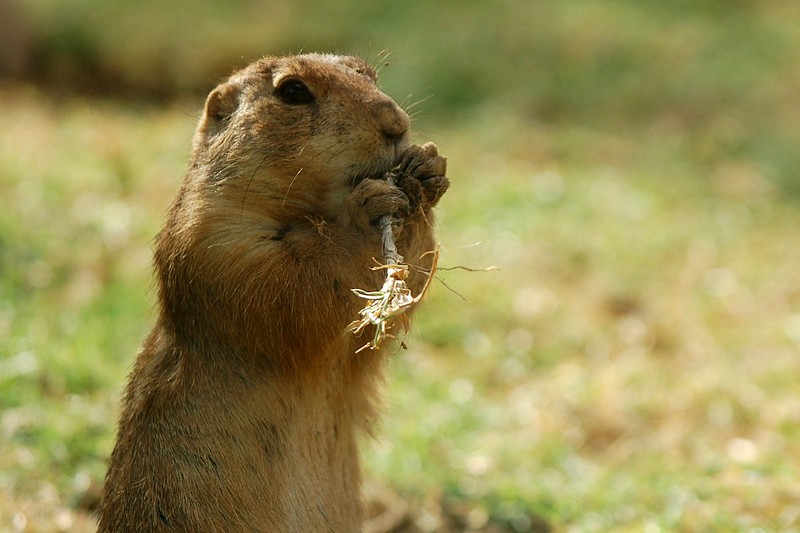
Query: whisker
x,y
344,146
289,188
422,100
369,53
300,152
405,100
332,156
381,61
249,184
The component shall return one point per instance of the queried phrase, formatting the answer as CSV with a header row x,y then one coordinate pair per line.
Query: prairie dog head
x,y
299,129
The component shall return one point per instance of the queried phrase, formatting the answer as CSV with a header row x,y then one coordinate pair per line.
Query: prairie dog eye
x,y
294,92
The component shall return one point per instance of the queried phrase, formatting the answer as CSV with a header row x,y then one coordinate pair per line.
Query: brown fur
x,y
243,407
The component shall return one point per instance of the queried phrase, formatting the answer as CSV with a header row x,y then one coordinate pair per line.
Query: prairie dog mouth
x,y
374,169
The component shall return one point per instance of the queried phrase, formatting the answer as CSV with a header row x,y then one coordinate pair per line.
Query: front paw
x,y
422,175
372,199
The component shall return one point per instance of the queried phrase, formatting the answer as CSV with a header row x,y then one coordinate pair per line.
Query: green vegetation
x,y
630,167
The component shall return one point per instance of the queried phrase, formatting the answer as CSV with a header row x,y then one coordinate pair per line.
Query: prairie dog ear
x,y
221,104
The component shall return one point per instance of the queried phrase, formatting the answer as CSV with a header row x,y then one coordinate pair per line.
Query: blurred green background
x,y
632,167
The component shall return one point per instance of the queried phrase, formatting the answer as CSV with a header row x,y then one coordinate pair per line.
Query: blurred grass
x,y
631,167
722,74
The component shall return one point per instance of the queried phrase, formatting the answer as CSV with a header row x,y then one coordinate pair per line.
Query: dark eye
x,y
294,91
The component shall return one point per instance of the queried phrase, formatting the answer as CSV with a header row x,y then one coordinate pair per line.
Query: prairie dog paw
x,y
373,198
422,175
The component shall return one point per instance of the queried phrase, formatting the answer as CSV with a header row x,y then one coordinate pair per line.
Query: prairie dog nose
x,y
392,121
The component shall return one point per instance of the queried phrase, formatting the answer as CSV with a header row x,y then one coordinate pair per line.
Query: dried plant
x,y
388,305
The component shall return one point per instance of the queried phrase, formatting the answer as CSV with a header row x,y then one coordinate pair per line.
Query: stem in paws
x,y
389,303
390,254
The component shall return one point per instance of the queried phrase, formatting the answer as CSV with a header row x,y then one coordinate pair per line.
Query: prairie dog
x,y
242,409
